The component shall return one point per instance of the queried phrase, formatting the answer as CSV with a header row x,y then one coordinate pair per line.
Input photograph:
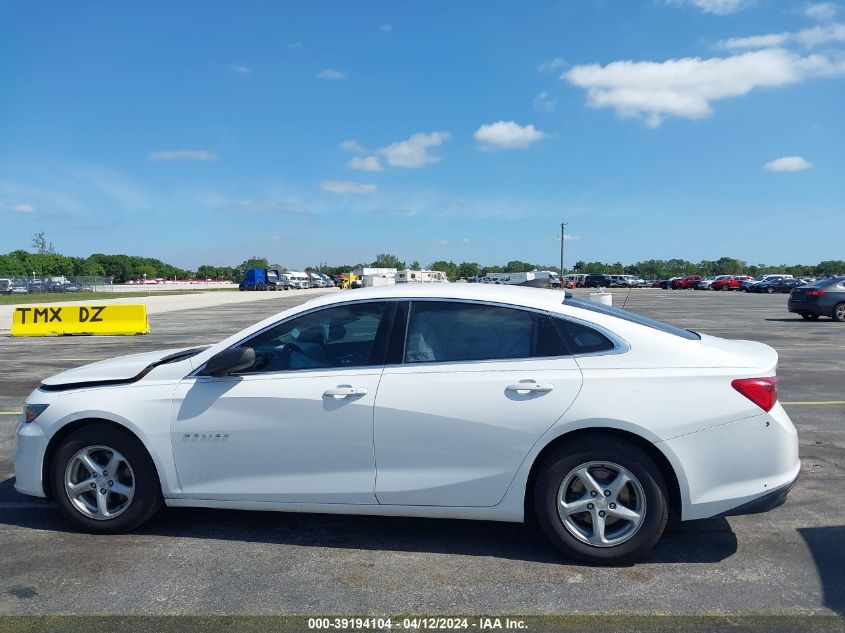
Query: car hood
x,y
119,370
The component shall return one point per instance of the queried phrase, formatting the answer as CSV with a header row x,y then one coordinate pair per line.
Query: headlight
x,y
32,411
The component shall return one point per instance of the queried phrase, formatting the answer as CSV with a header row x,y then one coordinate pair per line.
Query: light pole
x,y
562,240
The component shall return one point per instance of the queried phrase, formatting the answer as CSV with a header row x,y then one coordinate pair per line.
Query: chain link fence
x,y
58,284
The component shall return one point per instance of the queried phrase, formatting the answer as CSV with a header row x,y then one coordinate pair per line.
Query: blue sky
x,y
311,132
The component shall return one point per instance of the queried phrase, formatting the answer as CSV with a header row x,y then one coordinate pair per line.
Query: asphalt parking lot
x,y
788,562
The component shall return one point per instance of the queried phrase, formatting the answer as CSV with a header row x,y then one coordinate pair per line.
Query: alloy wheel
x,y
99,482
601,503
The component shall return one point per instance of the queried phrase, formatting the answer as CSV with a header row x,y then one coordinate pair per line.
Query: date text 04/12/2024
x,y
416,623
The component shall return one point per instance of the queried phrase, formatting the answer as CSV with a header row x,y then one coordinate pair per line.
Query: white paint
x,y
448,440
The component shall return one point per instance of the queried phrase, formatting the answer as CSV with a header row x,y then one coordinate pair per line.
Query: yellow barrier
x,y
53,320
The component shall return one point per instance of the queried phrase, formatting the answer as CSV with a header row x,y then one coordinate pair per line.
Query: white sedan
x,y
466,401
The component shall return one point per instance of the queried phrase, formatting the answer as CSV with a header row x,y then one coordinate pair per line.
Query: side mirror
x,y
230,361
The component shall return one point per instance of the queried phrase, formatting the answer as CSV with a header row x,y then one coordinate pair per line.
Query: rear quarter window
x,y
634,318
582,339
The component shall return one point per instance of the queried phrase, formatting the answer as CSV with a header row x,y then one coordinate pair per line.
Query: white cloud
x,y
769,40
365,163
176,154
716,7
507,135
810,37
332,74
347,186
386,28
821,11
687,87
263,206
788,163
544,102
241,70
352,145
414,152
23,208
553,65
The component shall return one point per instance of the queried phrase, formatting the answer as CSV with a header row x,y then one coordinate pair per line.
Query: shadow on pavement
x,y
705,541
828,547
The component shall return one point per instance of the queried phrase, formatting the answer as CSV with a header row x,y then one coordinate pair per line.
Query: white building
x,y
376,276
421,276
375,272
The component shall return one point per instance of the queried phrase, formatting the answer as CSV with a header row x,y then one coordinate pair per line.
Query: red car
x,y
684,283
731,283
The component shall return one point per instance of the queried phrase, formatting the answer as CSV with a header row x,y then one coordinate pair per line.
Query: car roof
x,y
541,298
829,281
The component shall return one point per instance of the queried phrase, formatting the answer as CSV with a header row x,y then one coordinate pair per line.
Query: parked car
x,y
825,297
748,283
576,279
666,284
626,281
730,282
704,284
36,285
6,286
597,280
784,284
20,288
433,400
685,283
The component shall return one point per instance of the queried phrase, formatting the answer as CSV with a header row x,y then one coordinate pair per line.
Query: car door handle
x,y
345,392
529,386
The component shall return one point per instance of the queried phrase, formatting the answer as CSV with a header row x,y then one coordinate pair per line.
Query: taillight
x,y
761,391
815,293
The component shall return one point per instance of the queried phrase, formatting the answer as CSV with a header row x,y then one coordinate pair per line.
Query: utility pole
x,y
562,240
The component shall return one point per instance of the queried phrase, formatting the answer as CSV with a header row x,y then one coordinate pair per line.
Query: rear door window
x,y
452,331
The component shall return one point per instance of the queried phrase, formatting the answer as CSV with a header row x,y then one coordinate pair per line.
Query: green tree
x,y
40,244
830,268
467,270
450,268
254,262
386,260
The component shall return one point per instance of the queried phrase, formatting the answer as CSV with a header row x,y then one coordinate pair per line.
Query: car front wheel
x,y
839,312
601,500
104,480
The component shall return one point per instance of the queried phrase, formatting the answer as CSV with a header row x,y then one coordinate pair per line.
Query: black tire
x,y
147,498
726,287
770,290
839,312
601,448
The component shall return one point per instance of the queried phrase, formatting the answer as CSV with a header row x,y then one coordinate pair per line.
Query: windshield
x,y
633,318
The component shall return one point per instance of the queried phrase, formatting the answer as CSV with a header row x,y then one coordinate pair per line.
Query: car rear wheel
x,y
726,287
601,500
839,312
104,480
770,290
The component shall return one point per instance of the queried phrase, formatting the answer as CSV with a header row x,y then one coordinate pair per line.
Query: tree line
x,y
46,262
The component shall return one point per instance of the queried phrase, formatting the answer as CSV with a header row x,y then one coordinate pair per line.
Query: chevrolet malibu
x,y
463,401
